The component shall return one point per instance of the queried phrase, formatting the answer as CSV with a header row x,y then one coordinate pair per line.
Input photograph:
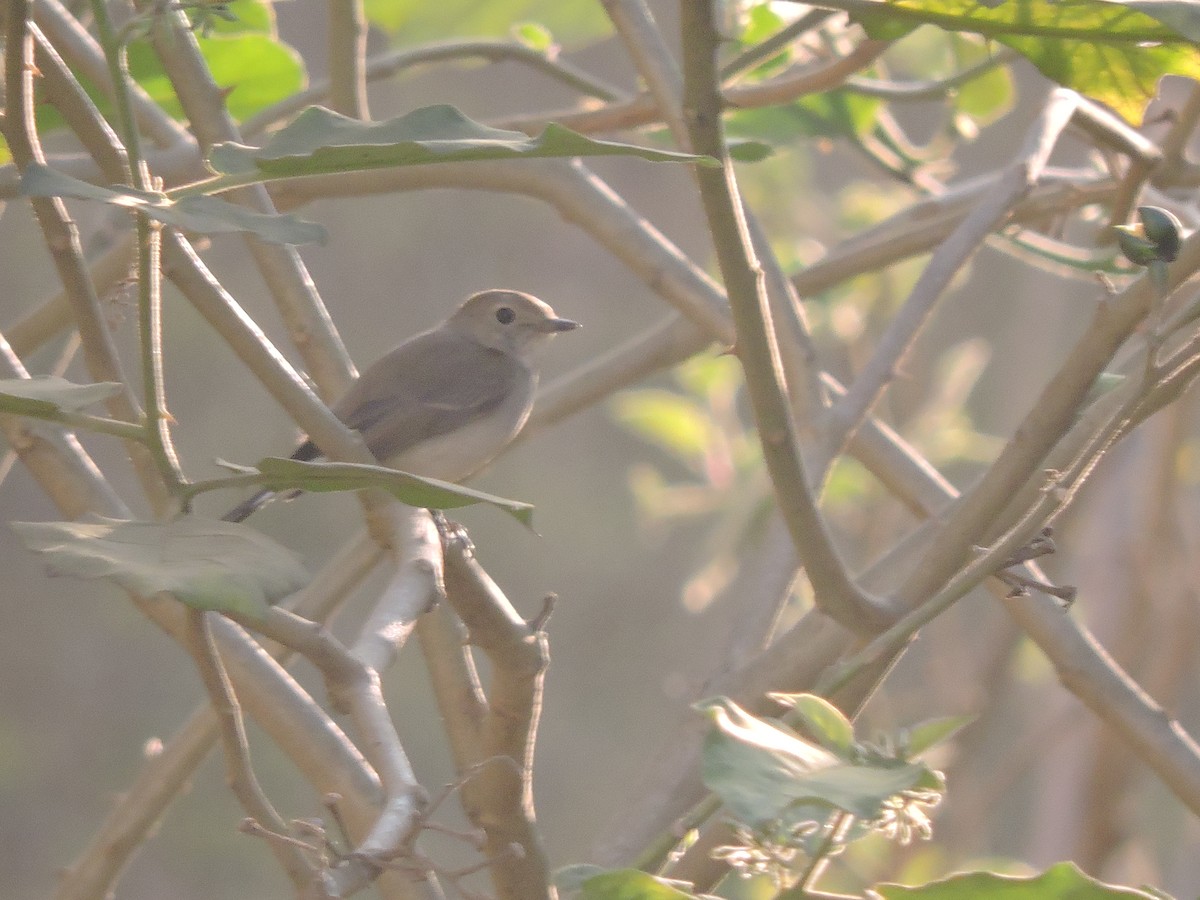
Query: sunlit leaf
x,y
833,114
988,96
286,474
247,17
320,141
1110,51
534,35
205,215
632,884
255,70
822,720
43,395
760,770
678,424
761,21
419,21
708,374
924,735
1063,881
206,563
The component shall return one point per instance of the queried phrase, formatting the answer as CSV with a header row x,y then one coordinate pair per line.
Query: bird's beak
x,y
556,325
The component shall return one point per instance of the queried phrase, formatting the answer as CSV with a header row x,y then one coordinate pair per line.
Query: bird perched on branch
x,y
446,401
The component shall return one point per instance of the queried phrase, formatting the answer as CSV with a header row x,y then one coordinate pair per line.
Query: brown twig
x,y
239,772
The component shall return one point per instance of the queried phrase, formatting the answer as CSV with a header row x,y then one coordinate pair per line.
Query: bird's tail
x,y
248,507
306,451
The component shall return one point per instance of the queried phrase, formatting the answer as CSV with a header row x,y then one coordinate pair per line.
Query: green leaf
x,y
761,22
255,70
823,721
246,17
569,879
43,395
988,96
533,35
922,736
1113,52
833,114
206,563
320,141
1063,881
419,20
205,215
631,884
748,151
285,474
678,424
761,771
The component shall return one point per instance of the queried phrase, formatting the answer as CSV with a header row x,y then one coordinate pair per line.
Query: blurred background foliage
x,y
646,503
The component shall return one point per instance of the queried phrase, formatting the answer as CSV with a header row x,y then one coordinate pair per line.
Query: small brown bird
x,y
446,401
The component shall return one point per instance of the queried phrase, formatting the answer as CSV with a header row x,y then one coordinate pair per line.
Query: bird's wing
x,y
429,386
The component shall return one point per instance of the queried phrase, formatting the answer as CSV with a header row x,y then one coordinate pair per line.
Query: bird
x,y
443,403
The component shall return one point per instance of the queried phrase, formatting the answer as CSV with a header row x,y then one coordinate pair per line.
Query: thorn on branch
x,y
538,622
256,829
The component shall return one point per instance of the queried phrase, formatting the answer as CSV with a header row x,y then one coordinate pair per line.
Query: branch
x,y
239,773
78,46
356,688
643,109
1050,417
290,719
347,50
62,240
835,592
499,799
392,63
308,322
950,256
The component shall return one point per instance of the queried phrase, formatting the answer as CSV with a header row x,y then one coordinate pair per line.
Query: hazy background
x,y
85,681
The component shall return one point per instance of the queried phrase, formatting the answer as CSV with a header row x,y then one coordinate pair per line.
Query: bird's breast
x,y
463,452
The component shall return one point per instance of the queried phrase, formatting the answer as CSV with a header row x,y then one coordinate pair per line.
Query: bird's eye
x,y
505,315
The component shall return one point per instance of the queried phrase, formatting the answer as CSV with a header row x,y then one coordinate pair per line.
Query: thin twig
x,y
933,89
390,64
644,110
308,321
763,51
239,773
949,257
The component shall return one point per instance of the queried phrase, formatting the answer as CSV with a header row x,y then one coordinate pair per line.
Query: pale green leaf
x,y
924,735
204,215
320,141
206,563
1063,881
287,474
632,884
823,721
42,395
1113,52
762,772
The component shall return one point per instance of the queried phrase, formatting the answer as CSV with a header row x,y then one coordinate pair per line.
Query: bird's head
x,y
511,321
